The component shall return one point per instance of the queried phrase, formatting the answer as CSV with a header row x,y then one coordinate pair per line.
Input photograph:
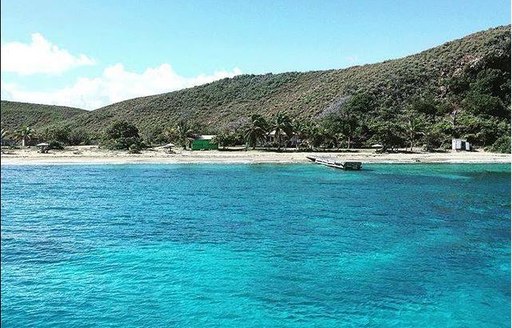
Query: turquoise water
x,y
255,246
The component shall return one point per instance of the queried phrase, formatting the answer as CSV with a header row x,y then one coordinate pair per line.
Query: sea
x,y
255,245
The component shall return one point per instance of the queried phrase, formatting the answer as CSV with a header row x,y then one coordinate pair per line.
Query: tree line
x,y
476,107
348,124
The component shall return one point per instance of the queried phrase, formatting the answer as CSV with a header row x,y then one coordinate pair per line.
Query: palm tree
x,y
183,132
256,130
4,134
413,129
301,129
282,125
350,125
170,134
310,133
25,134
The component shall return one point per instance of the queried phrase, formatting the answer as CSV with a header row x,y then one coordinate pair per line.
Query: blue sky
x,y
94,52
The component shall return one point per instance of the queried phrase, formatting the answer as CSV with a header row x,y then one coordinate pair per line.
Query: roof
x,y
205,137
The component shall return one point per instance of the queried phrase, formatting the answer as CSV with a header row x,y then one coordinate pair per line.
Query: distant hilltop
x,y
463,83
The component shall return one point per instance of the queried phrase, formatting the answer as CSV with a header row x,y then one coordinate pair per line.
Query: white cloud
x,y
40,56
114,85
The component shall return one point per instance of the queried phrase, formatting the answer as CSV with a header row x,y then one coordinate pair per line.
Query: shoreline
x,y
95,156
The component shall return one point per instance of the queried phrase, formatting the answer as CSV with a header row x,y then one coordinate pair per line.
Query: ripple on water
x,y
265,245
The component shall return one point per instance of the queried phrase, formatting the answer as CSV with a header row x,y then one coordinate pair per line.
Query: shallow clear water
x,y
255,245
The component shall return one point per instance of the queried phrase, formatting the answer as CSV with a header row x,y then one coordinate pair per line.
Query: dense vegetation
x,y
123,135
459,89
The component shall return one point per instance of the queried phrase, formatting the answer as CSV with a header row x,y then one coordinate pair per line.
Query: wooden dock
x,y
352,166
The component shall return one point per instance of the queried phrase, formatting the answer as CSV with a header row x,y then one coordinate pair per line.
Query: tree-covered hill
x,y
459,89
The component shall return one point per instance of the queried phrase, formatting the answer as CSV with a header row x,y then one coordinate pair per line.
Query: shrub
x,y
502,145
134,149
58,133
78,137
55,144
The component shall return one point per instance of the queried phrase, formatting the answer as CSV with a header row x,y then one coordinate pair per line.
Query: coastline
x,y
158,155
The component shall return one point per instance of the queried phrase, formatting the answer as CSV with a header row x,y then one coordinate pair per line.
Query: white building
x,y
460,144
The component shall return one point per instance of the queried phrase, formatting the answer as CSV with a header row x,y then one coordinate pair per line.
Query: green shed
x,y
204,142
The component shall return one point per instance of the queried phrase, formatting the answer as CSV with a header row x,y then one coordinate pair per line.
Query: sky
x,y
92,53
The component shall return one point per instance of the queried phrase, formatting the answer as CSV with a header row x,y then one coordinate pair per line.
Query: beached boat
x,y
335,164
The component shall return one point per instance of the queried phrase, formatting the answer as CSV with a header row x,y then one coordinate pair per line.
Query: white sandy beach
x,y
94,155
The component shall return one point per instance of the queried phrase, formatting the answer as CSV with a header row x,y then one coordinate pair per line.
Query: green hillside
x,y
461,88
18,114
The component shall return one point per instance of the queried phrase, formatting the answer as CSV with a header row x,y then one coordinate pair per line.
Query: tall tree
x,y
413,129
122,135
389,134
304,130
184,132
256,130
25,134
4,134
311,133
427,106
282,125
342,124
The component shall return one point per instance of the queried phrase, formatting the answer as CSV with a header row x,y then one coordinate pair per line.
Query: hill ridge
x,y
446,74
